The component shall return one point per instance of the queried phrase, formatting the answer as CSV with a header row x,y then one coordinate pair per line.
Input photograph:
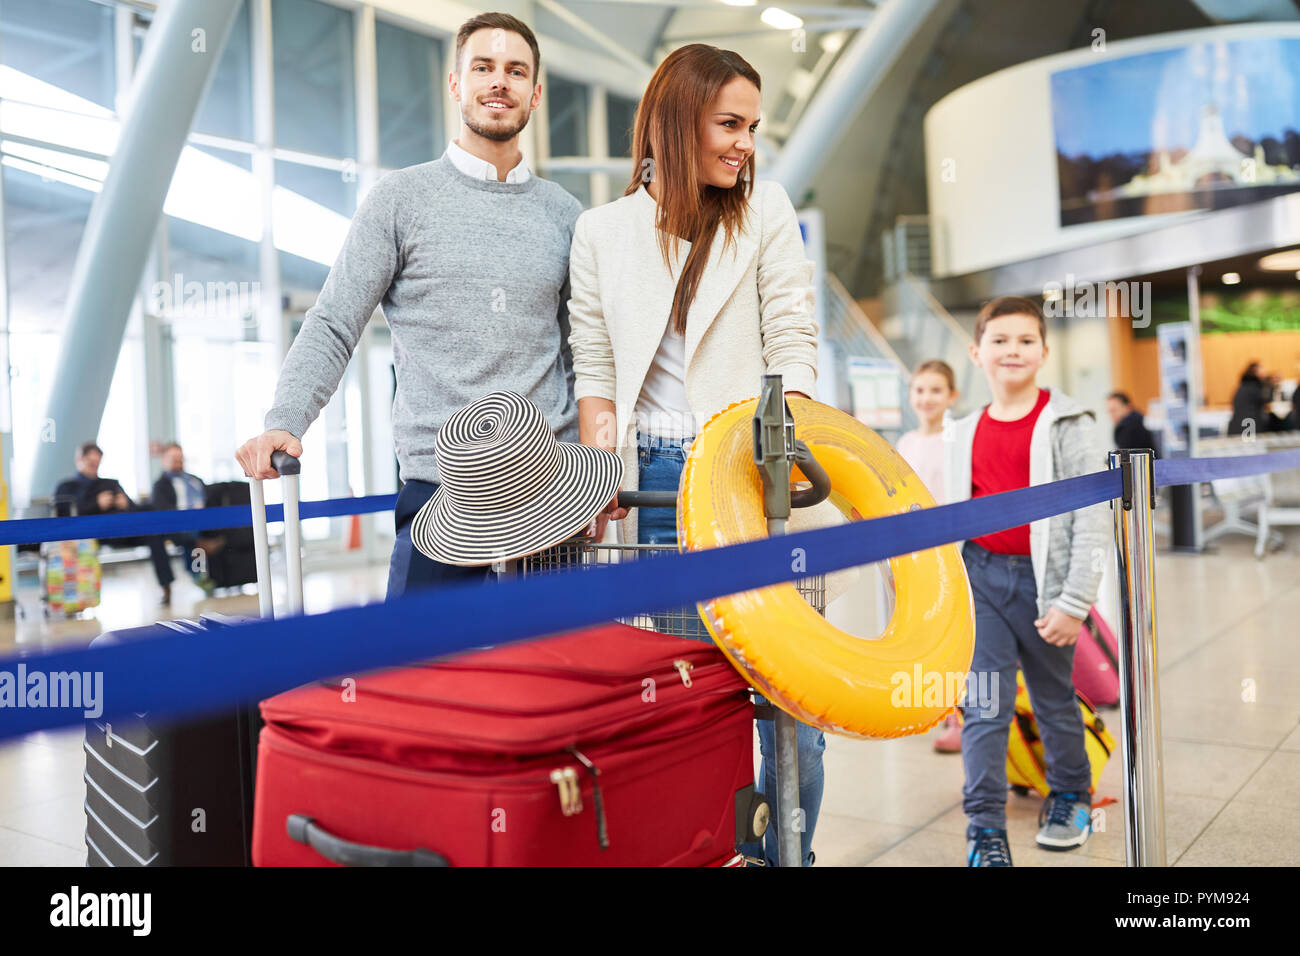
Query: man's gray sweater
x,y
473,279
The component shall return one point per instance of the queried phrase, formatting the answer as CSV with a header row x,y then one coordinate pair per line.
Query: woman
x,y
685,292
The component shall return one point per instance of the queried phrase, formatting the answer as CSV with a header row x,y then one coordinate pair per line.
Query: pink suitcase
x,y
1096,662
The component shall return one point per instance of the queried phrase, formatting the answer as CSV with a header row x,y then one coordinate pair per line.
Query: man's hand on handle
x,y
254,455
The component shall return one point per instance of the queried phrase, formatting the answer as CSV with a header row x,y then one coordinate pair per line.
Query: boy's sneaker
x,y
987,847
1065,821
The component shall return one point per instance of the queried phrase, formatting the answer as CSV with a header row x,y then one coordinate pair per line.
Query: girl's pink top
x,y
925,454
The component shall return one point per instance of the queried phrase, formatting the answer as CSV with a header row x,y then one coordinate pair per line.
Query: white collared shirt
x,y
471,165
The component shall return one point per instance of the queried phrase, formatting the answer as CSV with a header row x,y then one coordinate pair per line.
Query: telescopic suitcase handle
x,y
288,468
303,829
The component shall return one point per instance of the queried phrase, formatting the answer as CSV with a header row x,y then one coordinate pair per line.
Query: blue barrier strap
x,y
1183,471
136,523
179,675
190,674
1176,471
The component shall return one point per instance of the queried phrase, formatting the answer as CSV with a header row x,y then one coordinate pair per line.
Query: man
x,y
90,494
469,257
1130,428
70,491
178,490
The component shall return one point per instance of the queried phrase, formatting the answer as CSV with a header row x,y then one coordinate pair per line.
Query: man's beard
x,y
498,134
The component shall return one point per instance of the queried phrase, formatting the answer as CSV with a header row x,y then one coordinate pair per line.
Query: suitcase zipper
x,y
722,675
602,832
565,670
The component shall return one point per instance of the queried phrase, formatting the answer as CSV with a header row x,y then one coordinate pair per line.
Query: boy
x,y
1032,584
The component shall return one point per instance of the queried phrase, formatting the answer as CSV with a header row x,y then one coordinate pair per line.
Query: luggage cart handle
x,y
303,829
815,473
800,498
647,499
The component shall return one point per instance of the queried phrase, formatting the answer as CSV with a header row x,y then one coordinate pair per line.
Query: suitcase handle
x,y
288,467
303,829
285,463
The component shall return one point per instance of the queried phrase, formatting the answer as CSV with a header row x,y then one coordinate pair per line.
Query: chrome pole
x,y
1144,803
773,451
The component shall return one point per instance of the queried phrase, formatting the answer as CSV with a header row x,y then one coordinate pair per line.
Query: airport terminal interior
x,y
1131,169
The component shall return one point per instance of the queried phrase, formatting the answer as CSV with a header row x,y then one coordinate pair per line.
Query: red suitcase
x,y
613,746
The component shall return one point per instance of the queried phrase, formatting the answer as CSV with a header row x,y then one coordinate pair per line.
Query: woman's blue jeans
x,y
660,464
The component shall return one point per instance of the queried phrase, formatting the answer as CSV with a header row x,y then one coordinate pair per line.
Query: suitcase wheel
x,y
753,814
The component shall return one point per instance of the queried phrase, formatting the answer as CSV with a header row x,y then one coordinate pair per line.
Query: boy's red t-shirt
x,y
1000,462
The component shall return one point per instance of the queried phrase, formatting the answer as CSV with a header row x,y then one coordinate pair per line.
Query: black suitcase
x,y
233,564
180,792
170,793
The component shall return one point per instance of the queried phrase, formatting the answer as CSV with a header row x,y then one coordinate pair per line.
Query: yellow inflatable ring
x,y
902,683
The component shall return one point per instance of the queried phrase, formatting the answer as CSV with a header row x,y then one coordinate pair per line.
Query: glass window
x,y
410,96
615,185
213,227
312,211
567,108
65,43
227,108
45,214
315,96
620,117
578,185
243,374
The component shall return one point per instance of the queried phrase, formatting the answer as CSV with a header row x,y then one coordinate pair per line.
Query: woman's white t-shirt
x,y
662,408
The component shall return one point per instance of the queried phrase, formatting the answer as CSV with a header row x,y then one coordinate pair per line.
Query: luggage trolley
x,y
776,450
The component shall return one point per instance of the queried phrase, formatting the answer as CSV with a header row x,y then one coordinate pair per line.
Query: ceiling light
x,y
1231,278
1288,261
779,19
832,42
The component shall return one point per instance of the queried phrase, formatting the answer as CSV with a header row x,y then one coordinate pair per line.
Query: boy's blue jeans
x,y
660,468
1006,606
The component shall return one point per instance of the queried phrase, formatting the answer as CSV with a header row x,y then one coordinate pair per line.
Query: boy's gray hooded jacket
x,y
1067,550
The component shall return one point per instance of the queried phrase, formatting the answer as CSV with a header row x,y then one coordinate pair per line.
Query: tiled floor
x,y
1227,627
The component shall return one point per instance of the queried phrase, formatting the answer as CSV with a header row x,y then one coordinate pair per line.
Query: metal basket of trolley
x,y
586,554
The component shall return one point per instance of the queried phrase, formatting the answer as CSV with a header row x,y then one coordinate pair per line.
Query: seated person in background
x,y
178,490
69,492
93,495
1130,429
1250,403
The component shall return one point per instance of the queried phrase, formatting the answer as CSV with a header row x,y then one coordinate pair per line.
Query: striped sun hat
x,y
508,488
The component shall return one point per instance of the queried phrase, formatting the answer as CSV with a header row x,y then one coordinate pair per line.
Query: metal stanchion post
x,y
773,452
1144,803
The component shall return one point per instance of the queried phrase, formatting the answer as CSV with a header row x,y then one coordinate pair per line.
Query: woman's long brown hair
x,y
666,147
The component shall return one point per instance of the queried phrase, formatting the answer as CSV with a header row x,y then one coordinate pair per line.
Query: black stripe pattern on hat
x,y
508,487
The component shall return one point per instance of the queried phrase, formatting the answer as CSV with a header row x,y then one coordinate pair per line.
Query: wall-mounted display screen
x,y
1203,126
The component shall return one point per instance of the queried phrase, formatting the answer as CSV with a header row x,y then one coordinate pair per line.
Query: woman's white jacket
x,y
752,314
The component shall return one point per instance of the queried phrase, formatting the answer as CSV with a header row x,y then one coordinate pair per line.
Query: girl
x,y
933,392
685,292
